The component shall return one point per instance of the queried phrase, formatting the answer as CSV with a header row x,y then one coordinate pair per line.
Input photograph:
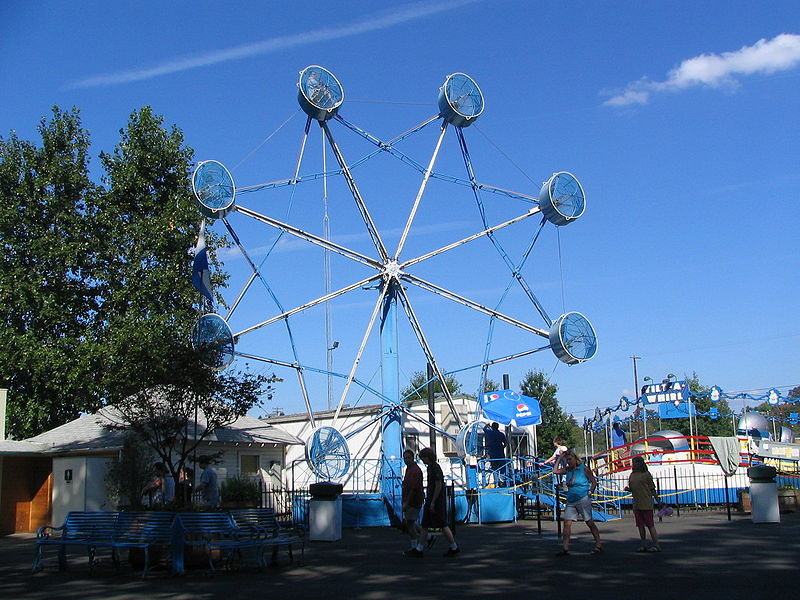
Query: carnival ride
x,y
688,467
560,201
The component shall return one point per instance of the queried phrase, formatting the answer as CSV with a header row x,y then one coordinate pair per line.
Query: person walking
x,y
643,489
413,496
434,514
581,484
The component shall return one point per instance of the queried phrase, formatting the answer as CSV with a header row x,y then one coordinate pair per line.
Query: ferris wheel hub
x,y
392,270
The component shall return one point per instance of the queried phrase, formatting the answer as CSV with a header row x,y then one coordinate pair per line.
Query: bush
x,y
240,489
130,473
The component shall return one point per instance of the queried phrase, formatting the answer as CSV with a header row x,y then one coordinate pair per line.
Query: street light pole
x,y
638,396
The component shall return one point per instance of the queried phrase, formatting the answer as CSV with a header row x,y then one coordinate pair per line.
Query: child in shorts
x,y
643,489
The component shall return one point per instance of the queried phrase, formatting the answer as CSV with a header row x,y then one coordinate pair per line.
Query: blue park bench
x,y
215,534
264,522
93,530
144,530
87,529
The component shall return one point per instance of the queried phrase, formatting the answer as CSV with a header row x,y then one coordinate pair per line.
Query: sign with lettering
x,y
674,392
770,449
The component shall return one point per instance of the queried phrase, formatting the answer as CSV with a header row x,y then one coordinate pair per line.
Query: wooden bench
x,y
264,521
88,529
213,532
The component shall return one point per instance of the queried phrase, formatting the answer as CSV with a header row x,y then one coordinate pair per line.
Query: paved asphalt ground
x,y
705,557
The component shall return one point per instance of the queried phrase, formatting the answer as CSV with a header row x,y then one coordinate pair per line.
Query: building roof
x,y
20,447
370,409
90,433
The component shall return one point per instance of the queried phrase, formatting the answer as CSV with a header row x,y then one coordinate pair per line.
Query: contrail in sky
x,y
372,22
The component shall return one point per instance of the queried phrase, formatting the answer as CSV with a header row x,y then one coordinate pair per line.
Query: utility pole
x,y
642,428
431,407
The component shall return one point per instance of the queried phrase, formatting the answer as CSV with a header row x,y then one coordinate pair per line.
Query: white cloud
x,y
765,57
372,22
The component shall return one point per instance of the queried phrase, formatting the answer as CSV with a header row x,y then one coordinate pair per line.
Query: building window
x,y
411,442
249,464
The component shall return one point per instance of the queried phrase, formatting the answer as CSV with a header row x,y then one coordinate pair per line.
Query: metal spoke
x,y
300,377
466,240
307,305
425,178
361,348
362,207
426,285
253,267
310,237
415,325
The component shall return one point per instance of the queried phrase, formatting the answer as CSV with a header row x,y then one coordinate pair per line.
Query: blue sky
x,y
679,119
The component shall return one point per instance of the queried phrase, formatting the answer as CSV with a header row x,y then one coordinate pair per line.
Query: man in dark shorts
x,y
435,510
413,496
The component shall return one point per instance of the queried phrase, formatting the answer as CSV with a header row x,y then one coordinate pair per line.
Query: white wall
x,y
365,446
95,489
86,490
68,494
228,465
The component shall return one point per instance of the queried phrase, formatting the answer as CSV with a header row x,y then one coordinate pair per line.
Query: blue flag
x,y
505,406
201,274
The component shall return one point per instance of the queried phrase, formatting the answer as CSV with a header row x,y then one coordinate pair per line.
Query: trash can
x,y
763,494
325,512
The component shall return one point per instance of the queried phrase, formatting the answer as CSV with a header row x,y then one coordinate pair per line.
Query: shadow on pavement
x,y
704,556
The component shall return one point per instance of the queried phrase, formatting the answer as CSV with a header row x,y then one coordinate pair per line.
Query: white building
x,y
46,476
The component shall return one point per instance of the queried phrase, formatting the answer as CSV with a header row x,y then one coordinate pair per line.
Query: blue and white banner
x,y
505,406
201,274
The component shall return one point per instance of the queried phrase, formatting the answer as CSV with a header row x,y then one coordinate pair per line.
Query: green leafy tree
x,y
174,416
417,391
97,301
148,222
48,293
555,422
780,412
490,385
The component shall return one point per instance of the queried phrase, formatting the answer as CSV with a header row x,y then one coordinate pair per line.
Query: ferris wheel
x,y
385,269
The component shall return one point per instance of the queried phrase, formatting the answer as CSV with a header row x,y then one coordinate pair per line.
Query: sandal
x,y
597,550
562,552
641,549
654,549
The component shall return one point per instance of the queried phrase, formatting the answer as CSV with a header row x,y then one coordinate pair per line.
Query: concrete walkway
x,y
704,557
